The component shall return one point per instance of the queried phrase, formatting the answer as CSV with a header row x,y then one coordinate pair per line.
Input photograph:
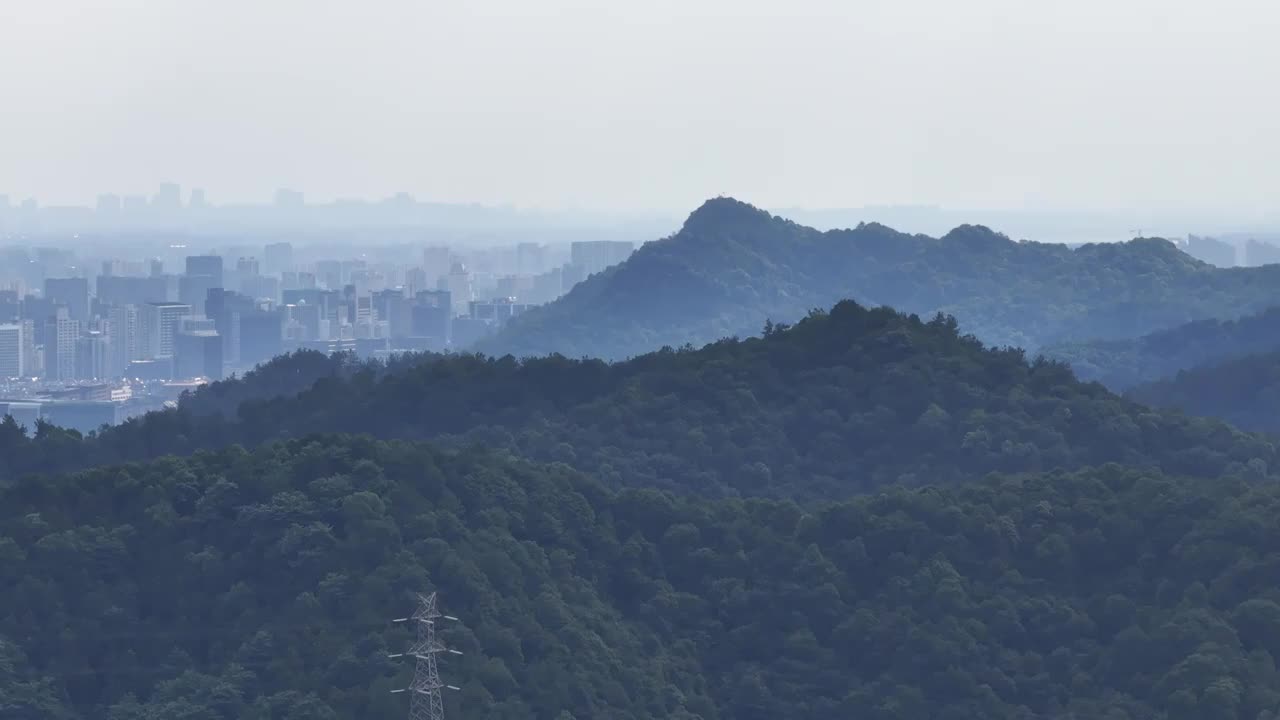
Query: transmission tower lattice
x,y
426,692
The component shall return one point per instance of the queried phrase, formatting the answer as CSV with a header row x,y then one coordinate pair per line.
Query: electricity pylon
x,y
426,701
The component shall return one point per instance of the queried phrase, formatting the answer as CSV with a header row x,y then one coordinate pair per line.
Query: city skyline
x,y
625,106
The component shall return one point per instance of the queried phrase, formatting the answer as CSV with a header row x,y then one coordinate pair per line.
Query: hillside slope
x,y
261,586
1121,364
1244,391
843,402
732,266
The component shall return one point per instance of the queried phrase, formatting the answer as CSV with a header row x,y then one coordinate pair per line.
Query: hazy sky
x,y
648,103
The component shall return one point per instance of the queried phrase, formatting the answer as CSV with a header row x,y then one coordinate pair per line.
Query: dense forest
x,y
1243,391
862,514
843,402
1120,364
731,267
260,585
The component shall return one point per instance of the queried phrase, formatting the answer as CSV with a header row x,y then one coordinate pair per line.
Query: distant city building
x,y
122,327
364,317
596,255
277,258
498,311
225,308
416,280
392,307
31,361
11,351
530,258
160,326
1211,250
329,274
198,351
193,290
545,287
431,316
458,283
1260,253
117,290
210,265
71,292
571,275
436,262
93,356
60,337
247,266
169,197
261,336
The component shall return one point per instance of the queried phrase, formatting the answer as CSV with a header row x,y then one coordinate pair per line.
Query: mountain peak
x,y
976,236
722,210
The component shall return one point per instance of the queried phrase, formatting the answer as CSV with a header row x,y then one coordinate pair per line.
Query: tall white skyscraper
x,y
60,337
11,351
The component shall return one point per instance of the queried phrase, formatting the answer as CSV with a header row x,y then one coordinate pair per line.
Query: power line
x,y
426,699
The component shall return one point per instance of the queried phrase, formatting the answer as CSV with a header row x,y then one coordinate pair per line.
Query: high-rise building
x,y
93,356
210,265
159,325
596,255
416,280
571,275
431,316
197,350
329,273
31,363
261,336
436,262
115,290
10,306
194,289
71,292
364,317
247,266
277,258
122,328
530,258
458,283
1260,253
11,351
60,335
497,311
169,198
392,307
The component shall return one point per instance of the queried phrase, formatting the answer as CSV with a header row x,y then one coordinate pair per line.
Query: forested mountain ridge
x,y
259,586
1121,364
843,402
1244,391
733,266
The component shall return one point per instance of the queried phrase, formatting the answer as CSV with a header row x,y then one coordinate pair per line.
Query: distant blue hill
x,y
732,266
